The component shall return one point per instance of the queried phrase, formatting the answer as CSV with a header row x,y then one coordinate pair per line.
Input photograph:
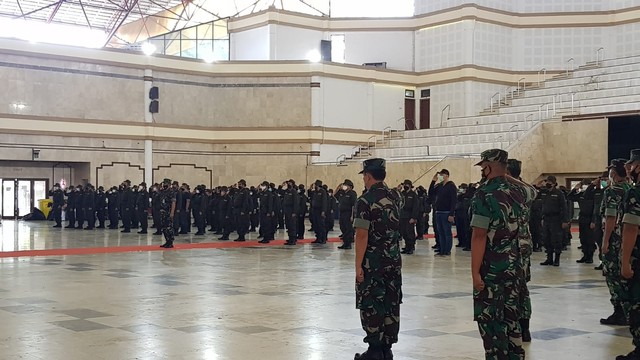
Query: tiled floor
x,y
266,303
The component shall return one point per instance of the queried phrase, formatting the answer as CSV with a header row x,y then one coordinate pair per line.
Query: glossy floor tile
x,y
258,302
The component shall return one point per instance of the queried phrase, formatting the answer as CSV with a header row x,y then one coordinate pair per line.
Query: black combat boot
x,y
526,334
386,351
634,355
556,260
549,260
373,353
617,318
583,260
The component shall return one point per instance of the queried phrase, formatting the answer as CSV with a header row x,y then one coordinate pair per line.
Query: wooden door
x,y
409,114
425,113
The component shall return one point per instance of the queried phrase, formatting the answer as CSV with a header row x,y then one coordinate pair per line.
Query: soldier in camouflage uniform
x,y
612,212
496,266
167,211
514,168
630,259
378,262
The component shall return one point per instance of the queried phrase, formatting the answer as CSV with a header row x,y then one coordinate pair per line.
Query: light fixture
x,y
148,48
18,106
314,56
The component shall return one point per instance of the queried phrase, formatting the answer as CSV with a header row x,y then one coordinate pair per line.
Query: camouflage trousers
x,y
498,309
525,298
379,297
631,302
611,270
166,226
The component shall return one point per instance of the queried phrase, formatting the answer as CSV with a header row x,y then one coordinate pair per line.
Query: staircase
x,y
597,88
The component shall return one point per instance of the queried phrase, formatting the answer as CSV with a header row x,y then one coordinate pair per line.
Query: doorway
x,y
409,114
425,113
20,196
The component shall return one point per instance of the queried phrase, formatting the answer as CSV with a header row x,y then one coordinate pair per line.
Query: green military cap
x,y
166,181
635,156
373,164
494,155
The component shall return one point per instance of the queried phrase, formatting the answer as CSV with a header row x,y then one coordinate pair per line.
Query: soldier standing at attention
x,y
347,201
167,213
142,207
291,209
496,261
176,219
514,169
596,223
303,211
71,207
612,241
555,219
199,206
112,206
155,208
58,202
378,262
267,212
127,206
409,214
101,207
320,209
630,259
583,193
80,207
89,201
241,210
224,210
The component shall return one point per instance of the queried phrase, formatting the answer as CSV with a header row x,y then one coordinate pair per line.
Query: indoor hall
x,y
68,296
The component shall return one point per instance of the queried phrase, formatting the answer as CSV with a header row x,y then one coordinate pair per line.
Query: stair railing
x,y
511,130
448,107
526,118
524,85
341,159
542,72
386,130
499,94
501,137
598,52
400,128
371,142
440,162
569,65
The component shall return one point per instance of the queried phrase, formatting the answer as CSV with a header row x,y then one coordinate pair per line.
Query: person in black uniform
x,y
101,207
279,207
462,220
89,203
199,206
310,195
330,220
155,208
254,217
185,209
167,212
320,209
409,217
71,207
241,210
80,218
135,221
176,219
224,211
58,202
291,210
126,206
347,201
596,223
566,232
142,208
422,226
584,194
113,206
535,223
267,212
554,220
303,211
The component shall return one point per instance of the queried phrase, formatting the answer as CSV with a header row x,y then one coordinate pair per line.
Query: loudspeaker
x,y
154,107
154,93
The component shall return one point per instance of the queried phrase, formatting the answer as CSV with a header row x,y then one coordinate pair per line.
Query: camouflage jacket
x,y
631,210
499,207
377,210
612,203
166,197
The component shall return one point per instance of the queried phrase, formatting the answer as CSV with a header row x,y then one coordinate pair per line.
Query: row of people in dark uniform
x,y
224,210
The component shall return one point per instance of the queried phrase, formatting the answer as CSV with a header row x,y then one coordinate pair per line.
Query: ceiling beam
x,y
24,16
122,16
55,11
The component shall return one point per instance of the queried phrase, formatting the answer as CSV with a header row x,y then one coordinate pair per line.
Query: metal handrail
x,y
500,138
438,163
385,130
540,111
524,85
397,121
544,78
506,93
526,117
600,50
511,129
572,62
338,161
526,133
412,123
499,100
369,142
448,113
